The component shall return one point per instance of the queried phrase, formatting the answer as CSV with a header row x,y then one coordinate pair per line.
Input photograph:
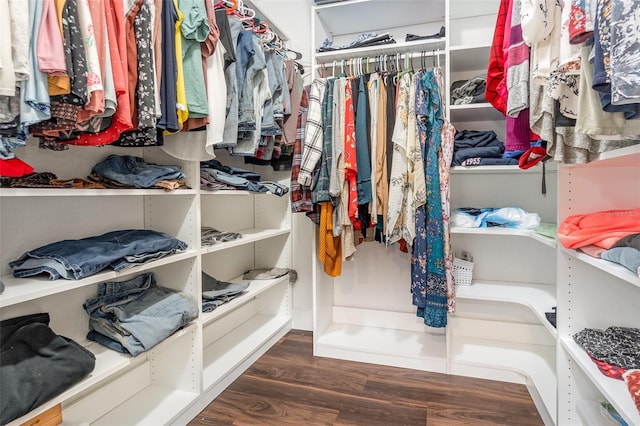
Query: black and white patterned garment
x,y
146,134
625,52
619,346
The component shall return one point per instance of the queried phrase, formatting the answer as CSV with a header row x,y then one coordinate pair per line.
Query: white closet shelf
x,y
623,157
402,348
612,268
155,405
79,192
18,290
371,15
550,168
404,47
229,352
109,363
540,298
232,192
506,232
465,58
249,236
474,112
470,8
256,288
536,362
615,391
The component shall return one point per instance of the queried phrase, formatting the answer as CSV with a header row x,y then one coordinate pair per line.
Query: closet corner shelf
x,y
550,242
335,17
255,289
615,391
428,46
80,192
538,366
400,348
249,236
540,298
623,157
612,268
18,290
474,112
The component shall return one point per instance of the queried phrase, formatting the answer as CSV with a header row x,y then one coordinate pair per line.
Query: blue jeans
x,y
244,53
246,109
236,181
88,256
135,315
237,171
135,171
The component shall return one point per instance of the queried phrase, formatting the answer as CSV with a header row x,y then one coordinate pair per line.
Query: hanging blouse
x,y
92,37
19,15
49,45
7,73
116,32
398,184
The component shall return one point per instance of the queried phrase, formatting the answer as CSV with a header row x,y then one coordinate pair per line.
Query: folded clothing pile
x,y
363,40
216,176
37,364
135,315
479,148
470,91
216,292
126,171
77,259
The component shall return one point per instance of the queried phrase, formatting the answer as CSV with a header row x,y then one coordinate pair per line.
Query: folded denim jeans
x,y
135,171
136,315
88,256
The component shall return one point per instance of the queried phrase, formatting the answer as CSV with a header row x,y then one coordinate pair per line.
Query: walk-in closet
x,y
444,191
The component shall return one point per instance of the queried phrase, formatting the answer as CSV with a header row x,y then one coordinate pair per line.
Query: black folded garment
x,y
413,37
36,364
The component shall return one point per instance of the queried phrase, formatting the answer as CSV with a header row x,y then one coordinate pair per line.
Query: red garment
x,y
350,165
603,229
14,168
117,34
496,85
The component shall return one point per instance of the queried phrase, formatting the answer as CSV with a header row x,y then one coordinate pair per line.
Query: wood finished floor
x,y
289,386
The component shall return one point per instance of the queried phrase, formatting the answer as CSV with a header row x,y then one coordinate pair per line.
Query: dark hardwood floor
x,y
289,386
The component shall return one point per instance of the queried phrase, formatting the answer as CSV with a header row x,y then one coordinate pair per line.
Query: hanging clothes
x,y
428,276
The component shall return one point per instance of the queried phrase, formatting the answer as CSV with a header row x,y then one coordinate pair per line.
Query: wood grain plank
x,y
289,386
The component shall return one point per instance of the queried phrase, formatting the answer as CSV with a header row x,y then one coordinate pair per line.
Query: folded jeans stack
x,y
127,171
215,176
77,259
135,315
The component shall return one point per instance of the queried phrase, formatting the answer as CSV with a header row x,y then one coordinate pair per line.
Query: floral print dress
x,y
428,270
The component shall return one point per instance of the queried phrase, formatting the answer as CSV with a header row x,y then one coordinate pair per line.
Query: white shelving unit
x,y
594,293
173,381
500,330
